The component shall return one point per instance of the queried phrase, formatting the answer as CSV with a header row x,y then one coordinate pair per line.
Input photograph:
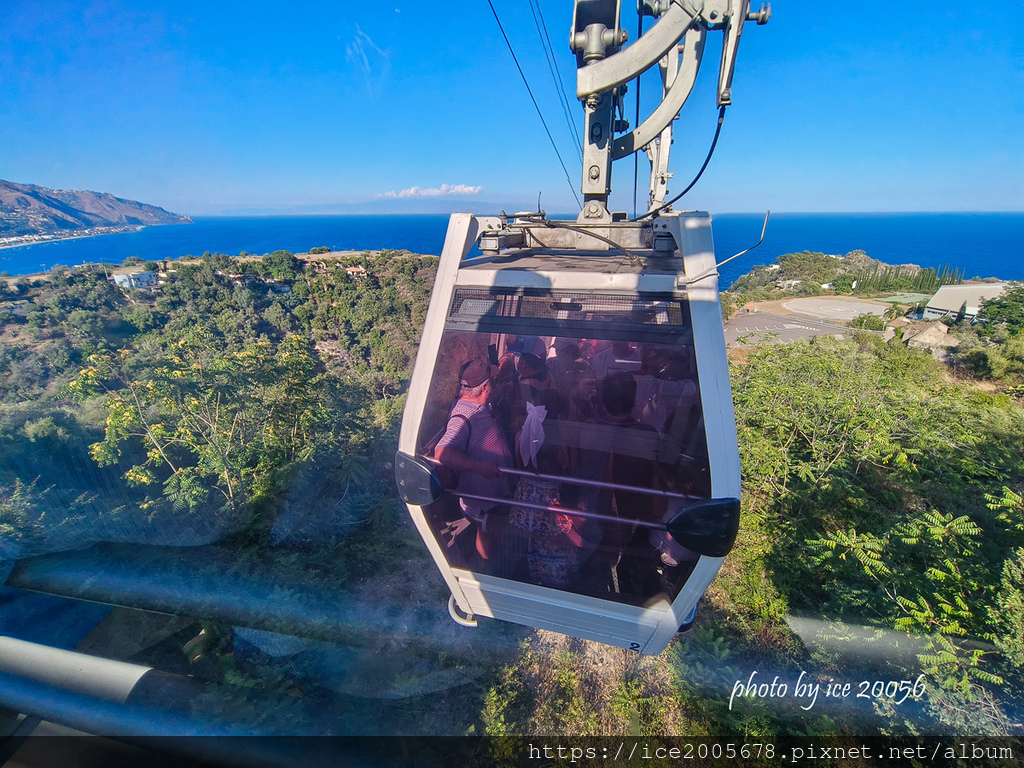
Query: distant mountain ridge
x,y
28,210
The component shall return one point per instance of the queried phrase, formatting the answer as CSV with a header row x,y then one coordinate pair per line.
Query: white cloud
x,y
445,190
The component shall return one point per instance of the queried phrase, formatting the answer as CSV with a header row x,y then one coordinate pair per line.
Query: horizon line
x,y
566,213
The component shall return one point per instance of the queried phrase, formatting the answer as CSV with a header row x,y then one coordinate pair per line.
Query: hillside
x,y
28,210
810,273
263,396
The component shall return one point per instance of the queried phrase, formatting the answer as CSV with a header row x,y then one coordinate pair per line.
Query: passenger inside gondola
x,y
620,356
676,561
540,438
573,377
620,452
533,375
553,541
474,446
665,383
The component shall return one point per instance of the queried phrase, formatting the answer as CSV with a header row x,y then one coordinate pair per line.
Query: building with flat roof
x,y
949,299
137,280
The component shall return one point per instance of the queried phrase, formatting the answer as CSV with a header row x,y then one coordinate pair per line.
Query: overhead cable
x,y
714,142
556,76
535,104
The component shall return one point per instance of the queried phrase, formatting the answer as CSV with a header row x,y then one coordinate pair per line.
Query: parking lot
x,y
746,329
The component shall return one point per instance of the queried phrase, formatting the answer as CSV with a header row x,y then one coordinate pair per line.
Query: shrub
x,y
868,322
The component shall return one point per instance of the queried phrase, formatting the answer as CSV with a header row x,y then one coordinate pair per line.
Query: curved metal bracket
x,y
678,93
600,76
453,610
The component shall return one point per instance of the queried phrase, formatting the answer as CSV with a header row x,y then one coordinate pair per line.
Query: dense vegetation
x,y
262,396
804,274
211,399
879,493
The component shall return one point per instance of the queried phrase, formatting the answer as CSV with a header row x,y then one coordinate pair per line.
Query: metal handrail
x,y
598,484
564,511
705,526
581,481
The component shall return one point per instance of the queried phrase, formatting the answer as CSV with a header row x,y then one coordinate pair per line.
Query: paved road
x,y
765,326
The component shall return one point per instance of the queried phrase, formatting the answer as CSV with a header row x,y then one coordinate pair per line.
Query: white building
x,y
949,299
137,280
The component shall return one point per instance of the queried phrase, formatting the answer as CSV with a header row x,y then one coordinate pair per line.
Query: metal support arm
x,y
623,66
677,94
603,69
736,18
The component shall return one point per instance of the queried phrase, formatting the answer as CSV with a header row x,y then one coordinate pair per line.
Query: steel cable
x,y
714,142
535,104
556,77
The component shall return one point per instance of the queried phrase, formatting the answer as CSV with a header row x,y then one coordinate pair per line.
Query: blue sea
x,y
982,244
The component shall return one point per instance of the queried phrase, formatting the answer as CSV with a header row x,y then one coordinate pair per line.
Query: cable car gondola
x,y
568,450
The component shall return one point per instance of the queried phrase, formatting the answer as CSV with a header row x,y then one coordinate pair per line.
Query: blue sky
x,y
257,107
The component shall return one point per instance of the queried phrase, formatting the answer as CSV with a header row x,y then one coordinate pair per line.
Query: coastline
x,y
983,245
20,241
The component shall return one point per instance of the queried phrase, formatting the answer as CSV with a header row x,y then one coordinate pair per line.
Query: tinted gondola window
x,y
597,400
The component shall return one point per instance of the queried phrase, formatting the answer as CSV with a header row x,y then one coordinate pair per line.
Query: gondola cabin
x,y
569,411
568,450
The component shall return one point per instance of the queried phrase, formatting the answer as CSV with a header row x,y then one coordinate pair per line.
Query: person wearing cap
x,y
475,446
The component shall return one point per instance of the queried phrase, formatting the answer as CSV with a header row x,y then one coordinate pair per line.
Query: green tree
x,y
87,323
279,317
861,455
808,266
986,363
281,265
142,318
868,322
843,283
728,306
1006,311
213,420
1008,610
927,568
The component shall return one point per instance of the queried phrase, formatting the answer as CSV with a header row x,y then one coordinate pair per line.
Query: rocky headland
x,y
30,213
